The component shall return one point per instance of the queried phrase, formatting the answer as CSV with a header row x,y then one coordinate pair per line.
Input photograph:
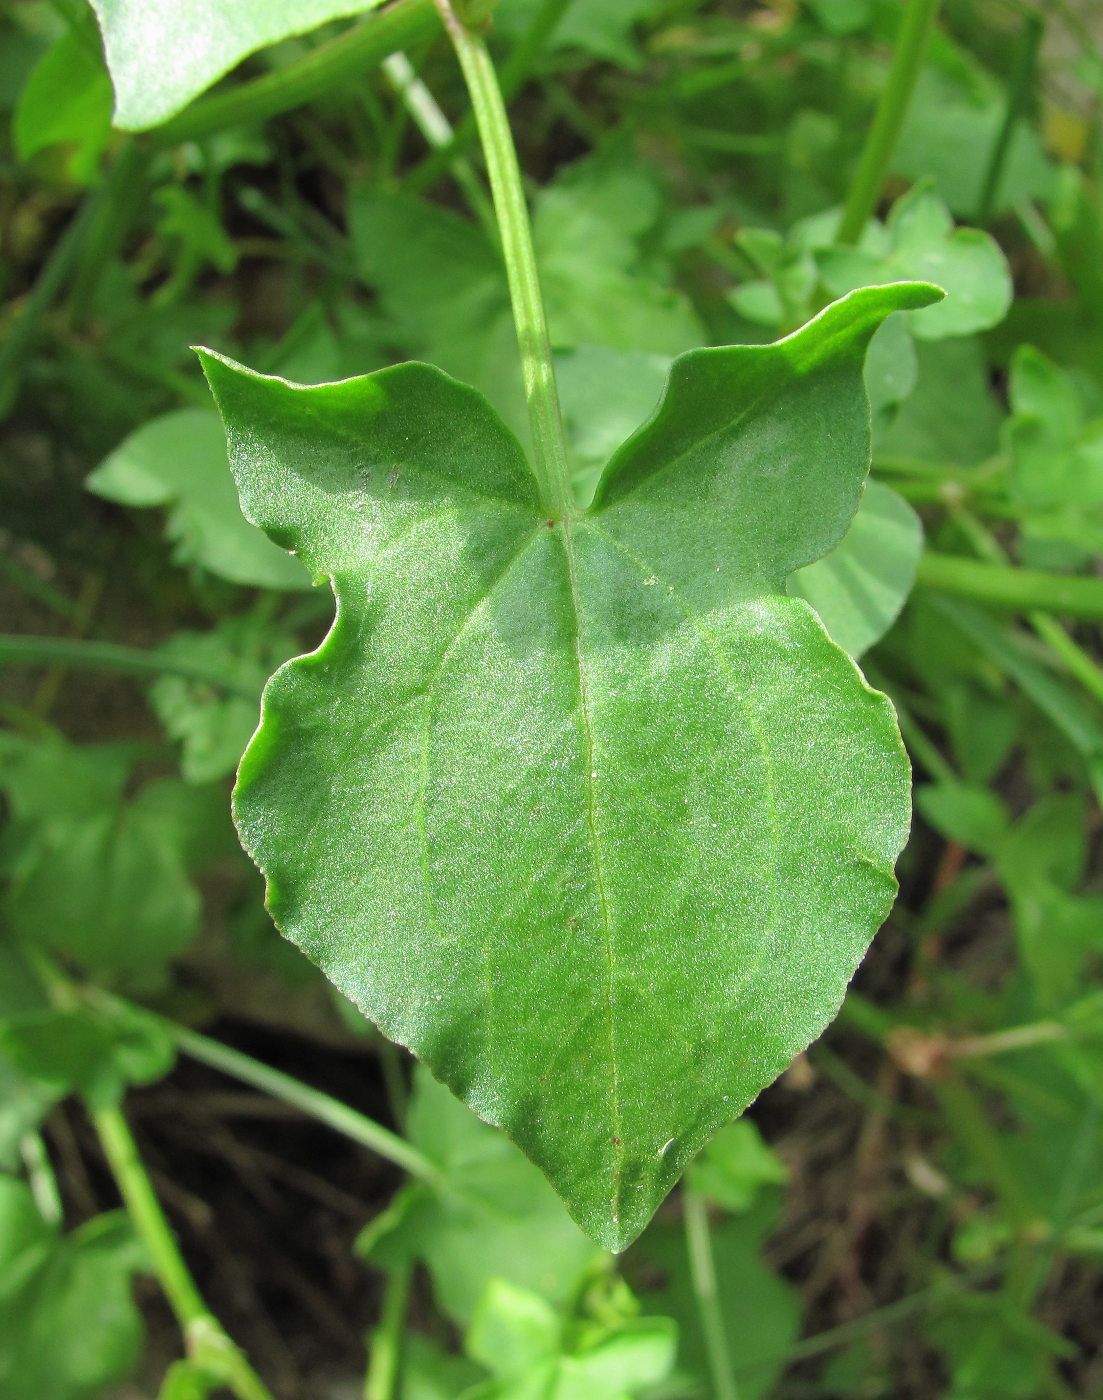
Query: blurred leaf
x,y
734,1167
441,281
923,245
113,895
519,1338
994,1350
605,395
24,1103
184,1381
600,28
498,1217
164,53
842,16
972,816
892,367
1056,460
859,588
88,1051
194,229
952,414
213,724
179,461
431,1373
66,101
950,133
93,876
194,821
69,1327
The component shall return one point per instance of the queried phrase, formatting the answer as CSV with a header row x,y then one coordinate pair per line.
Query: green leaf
x,y
859,588
496,1218
953,123
98,878
587,813
179,461
186,1381
212,724
735,1166
520,1339
971,815
892,366
442,283
600,28
604,393
69,1327
88,1051
66,100
24,1103
1056,459
923,243
952,414
164,53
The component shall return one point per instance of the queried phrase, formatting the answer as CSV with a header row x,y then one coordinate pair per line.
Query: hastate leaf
x,y
587,812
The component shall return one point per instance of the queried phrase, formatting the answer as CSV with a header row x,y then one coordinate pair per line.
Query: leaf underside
x,y
587,813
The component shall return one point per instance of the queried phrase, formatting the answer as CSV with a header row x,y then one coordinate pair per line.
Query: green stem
x,y
107,656
1022,85
702,1270
1075,659
317,74
41,1178
888,121
438,132
549,443
514,73
335,1115
207,1343
1019,590
386,1341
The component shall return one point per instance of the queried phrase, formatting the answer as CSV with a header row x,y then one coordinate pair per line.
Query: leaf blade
x,y
599,832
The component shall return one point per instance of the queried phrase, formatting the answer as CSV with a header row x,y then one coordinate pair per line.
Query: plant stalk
x,y
1022,85
318,1105
1018,590
888,120
541,394
439,134
107,656
207,1343
703,1272
514,73
1076,660
385,1361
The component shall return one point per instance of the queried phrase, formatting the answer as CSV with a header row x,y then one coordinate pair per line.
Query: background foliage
x,y
916,1209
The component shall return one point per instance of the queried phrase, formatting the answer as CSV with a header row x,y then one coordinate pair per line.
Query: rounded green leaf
x,y
585,811
859,588
179,460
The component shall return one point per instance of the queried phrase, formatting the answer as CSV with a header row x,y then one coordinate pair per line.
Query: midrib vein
x,y
599,874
